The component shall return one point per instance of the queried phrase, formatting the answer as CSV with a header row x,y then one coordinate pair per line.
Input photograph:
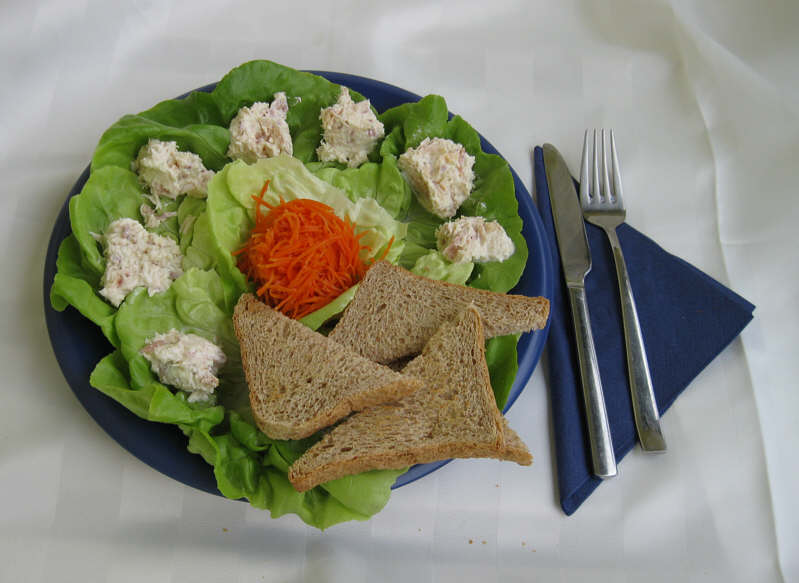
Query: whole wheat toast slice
x,y
299,380
395,312
453,415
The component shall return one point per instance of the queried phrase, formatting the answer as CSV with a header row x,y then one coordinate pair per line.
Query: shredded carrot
x,y
300,255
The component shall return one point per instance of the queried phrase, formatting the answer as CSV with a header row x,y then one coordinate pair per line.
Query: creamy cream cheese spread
x,y
261,131
135,257
440,174
186,361
350,131
473,239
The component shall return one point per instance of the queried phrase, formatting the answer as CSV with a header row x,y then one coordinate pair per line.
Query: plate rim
x,y
114,418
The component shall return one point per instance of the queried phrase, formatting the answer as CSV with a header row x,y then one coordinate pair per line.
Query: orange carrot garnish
x,y
300,255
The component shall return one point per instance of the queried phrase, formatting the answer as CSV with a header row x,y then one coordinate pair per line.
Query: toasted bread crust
x,y
396,461
513,448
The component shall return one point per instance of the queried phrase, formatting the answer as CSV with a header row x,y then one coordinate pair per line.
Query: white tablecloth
x,y
703,98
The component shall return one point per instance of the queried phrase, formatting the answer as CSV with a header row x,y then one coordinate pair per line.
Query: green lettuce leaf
x,y
247,464
493,196
307,94
359,497
195,303
109,194
74,285
434,265
382,182
503,365
195,123
317,319
154,401
189,210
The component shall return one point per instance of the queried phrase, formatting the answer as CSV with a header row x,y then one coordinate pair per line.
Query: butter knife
x,y
575,258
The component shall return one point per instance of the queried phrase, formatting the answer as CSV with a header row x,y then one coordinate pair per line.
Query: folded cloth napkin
x,y
687,318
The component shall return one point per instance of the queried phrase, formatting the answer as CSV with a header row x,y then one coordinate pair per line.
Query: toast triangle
x,y
453,415
299,380
395,312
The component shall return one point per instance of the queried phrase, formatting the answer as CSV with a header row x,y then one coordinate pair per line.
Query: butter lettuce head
x,y
246,463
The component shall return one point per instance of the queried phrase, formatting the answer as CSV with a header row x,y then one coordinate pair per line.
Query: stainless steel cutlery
x,y
602,204
576,261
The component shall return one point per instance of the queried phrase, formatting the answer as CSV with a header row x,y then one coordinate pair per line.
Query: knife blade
x,y
575,257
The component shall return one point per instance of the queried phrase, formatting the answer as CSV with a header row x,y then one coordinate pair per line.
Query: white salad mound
x,y
186,361
261,131
440,174
473,239
350,131
169,172
135,257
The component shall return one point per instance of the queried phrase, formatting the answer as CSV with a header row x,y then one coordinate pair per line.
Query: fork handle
x,y
602,456
645,411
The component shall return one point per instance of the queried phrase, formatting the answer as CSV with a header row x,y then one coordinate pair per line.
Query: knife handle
x,y
602,456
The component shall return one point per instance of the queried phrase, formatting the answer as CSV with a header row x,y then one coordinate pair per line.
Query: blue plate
x,y
79,345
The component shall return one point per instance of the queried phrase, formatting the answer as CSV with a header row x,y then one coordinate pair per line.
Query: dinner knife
x,y
575,258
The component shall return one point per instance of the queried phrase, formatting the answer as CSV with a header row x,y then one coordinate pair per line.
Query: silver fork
x,y
603,206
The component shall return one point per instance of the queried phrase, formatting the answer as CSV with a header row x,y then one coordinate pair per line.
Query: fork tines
x,y
600,189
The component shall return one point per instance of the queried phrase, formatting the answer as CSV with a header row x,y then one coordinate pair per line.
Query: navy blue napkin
x,y
687,318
